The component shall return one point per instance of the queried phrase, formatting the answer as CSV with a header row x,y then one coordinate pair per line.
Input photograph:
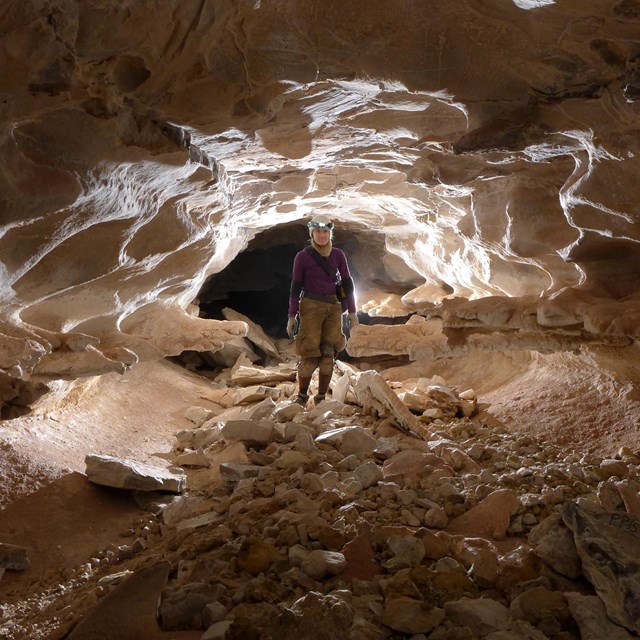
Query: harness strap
x,y
327,299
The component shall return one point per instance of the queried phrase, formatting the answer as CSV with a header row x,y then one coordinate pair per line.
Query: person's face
x,y
321,236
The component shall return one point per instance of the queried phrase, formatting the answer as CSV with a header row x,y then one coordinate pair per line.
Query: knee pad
x,y
326,365
307,366
327,350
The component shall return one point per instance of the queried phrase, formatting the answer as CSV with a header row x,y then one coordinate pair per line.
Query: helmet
x,y
319,224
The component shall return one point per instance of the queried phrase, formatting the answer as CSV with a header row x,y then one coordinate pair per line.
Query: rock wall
x,y
492,145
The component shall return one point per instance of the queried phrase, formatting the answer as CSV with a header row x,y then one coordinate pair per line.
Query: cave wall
x,y
491,149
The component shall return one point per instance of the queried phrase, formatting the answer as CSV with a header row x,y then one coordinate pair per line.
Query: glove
x,y
353,320
292,327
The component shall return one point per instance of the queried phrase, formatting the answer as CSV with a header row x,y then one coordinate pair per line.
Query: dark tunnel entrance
x,y
257,282
257,285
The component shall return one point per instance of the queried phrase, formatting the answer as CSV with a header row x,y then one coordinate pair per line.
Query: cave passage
x,y
257,282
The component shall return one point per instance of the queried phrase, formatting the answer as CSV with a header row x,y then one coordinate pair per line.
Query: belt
x,y
327,299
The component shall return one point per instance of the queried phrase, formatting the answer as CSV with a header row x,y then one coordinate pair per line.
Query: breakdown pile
x,y
337,521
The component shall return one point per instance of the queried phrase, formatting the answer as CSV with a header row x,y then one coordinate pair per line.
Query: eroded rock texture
x,y
470,151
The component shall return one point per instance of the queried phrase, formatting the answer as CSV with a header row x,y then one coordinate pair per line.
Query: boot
x,y
324,379
303,388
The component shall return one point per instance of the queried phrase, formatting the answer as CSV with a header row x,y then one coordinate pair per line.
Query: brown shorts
x,y
320,324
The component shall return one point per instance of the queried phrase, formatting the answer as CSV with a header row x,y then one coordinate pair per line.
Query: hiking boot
x,y
301,399
319,397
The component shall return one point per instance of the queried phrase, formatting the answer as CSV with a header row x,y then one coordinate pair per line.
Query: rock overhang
x,y
489,151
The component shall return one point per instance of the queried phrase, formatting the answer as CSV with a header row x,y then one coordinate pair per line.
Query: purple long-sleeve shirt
x,y
316,280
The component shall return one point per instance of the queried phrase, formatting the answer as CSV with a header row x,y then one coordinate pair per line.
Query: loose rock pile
x,y
337,522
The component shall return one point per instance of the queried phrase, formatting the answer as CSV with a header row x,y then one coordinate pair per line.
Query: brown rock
x,y
490,518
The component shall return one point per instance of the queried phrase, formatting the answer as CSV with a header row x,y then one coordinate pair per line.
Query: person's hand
x,y
292,327
353,320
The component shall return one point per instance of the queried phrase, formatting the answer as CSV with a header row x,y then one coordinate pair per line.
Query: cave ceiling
x,y
468,150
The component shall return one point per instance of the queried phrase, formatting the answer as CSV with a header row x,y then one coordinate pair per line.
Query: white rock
x,y
319,563
126,474
192,459
217,631
347,440
247,431
255,333
197,415
255,393
237,471
340,388
184,507
436,518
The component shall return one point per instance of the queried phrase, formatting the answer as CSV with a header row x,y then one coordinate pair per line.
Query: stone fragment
x,y
197,415
255,332
414,464
329,617
591,616
248,374
436,518
490,518
234,471
183,607
255,556
192,523
409,615
341,387
125,474
520,630
197,438
130,610
217,631
185,507
630,494
609,561
319,563
287,411
348,440
361,560
554,543
13,557
250,432
407,552
368,474
538,603
192,459
212,613
434,547
255,393
373,394
481,615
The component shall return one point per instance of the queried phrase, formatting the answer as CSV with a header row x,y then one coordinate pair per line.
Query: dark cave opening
x,y
257,282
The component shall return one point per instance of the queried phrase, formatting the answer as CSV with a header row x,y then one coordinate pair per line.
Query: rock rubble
x,y
338,521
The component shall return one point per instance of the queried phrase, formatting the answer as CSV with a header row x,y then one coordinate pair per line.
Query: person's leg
x,y
306,367
332,342
308,345
325,371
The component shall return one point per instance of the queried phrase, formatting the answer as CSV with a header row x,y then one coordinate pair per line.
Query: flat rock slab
x,y
129,612
125,474
609,554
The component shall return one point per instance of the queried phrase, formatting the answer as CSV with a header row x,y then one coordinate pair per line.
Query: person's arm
x,y
296,286
347,283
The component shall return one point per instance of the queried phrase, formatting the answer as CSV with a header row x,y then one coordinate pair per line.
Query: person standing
x,y
315,312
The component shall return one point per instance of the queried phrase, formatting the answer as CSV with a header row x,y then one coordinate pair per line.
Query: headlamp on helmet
x,y
319,224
